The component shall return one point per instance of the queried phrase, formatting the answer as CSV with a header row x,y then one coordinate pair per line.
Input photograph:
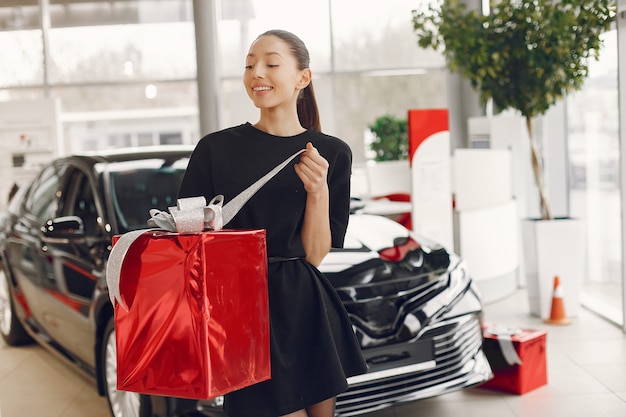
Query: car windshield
x,y
137,188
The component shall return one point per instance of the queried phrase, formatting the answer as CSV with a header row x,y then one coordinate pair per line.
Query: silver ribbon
x,y
191,215
503,334
231,208
114,264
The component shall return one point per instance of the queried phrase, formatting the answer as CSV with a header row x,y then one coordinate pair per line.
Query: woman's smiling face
x,y
271,77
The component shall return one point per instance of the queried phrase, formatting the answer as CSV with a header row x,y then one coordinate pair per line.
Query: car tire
x,y
121,403
13,333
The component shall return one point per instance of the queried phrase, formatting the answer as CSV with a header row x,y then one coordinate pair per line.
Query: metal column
x,y
621,74
206,15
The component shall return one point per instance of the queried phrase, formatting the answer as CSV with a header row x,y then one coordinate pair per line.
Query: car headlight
x,y
458,277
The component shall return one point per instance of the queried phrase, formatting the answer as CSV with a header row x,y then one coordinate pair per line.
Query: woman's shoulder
x,y
221,137
329,139
225,133
332,142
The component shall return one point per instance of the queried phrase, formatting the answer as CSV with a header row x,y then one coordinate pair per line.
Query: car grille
x,y
379,319
457,342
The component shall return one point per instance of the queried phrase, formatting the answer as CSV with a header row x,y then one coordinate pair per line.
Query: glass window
x,y
137,187
95,131
19,94
81,98
83,203
121,41
170,138
163,51
145,139
243,20
118,140
380,37
236,105
593,141
360,98
350,102
108,57
98,12
43,196
365,61
21,55
20,17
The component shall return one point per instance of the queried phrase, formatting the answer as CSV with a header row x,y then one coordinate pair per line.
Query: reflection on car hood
x,y
389,294
374,232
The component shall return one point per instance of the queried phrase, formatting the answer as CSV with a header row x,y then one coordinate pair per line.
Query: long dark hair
x,y
308,114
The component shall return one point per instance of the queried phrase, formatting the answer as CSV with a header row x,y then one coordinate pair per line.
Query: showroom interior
x,y
79,76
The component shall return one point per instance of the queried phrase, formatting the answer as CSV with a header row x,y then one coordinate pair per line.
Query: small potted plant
x,y
390,138
389,175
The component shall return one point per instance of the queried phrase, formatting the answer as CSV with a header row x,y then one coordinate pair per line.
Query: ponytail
x,y
308,114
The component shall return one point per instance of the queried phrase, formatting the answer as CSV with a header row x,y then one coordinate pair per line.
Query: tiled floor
x,y
586,377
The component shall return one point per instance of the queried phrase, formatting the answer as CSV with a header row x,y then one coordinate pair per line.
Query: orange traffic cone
x,y
557,312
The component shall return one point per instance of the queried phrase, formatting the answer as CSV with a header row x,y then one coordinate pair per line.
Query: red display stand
x,y
431,178
530,346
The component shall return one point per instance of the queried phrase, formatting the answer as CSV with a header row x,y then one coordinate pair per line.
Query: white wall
x,y
30,134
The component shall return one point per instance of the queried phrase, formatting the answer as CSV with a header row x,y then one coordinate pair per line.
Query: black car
x,y
414,307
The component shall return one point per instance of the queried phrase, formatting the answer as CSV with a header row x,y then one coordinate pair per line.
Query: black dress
x,y
313,347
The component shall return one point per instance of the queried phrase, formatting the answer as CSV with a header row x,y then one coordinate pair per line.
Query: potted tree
x,y
525,55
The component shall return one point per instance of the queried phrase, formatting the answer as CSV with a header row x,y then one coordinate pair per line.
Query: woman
x,y
304,210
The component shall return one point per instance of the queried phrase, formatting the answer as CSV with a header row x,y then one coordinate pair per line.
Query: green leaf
x,y
524,48
391,140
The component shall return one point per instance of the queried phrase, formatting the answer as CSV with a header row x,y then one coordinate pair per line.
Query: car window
x,y
134,192
43,196
82,203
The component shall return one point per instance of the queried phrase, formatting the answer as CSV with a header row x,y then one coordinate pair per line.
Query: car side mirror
x,y
64,227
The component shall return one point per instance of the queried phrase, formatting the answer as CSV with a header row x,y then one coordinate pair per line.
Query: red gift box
x,y
530,346
197,324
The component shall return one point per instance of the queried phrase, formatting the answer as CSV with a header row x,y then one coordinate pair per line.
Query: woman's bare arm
x,y
316,238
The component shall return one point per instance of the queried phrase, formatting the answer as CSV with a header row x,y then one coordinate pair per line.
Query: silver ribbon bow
x,y
191,215
504,333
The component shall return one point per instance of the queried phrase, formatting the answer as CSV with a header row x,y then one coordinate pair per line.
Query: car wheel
x,y
121,403
11,329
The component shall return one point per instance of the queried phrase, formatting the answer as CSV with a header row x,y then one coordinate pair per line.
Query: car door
x,y
77,257
27,253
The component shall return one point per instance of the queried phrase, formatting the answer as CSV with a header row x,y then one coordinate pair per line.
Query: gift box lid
x,y
517,334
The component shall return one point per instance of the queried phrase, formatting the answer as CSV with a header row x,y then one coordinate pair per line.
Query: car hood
x,y
398,279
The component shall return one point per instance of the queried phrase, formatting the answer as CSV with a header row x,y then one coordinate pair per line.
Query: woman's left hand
x,y
312,170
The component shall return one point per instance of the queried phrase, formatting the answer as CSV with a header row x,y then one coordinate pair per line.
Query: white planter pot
x,y
388,177
553,248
